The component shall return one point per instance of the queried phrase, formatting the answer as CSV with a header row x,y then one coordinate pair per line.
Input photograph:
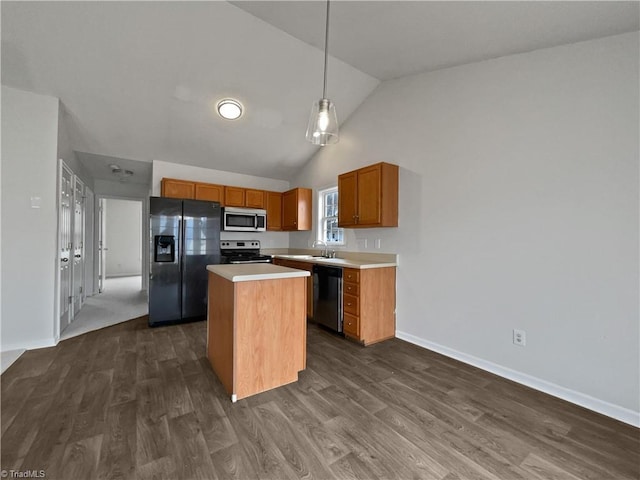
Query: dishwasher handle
x,y
327,270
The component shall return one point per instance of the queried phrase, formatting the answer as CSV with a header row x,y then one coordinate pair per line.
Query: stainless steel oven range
x,y
242,251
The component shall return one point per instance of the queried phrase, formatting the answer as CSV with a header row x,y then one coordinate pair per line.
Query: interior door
x,y
65,193
102,248
78,244
89,242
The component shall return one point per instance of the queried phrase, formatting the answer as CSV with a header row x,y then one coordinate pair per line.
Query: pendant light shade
x,y
323,122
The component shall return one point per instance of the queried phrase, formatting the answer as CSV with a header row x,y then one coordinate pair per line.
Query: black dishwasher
x,y
327,297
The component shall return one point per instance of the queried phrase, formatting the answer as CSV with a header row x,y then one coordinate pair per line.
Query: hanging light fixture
x,y
323,122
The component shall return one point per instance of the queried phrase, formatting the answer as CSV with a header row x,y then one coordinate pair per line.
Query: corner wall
x,y
518,210
29,252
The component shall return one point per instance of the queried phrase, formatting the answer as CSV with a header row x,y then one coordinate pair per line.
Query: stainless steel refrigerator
x,y
185,238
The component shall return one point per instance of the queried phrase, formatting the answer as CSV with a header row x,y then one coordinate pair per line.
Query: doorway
x,y
118,267
120,240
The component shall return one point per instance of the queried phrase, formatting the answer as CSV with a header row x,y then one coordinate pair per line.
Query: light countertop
x,y
249,272
338,262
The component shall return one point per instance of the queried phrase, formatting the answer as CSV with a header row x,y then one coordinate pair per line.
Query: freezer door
x,y
165,298
201,230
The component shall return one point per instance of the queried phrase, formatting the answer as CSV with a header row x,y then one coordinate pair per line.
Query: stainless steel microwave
x,y
244,219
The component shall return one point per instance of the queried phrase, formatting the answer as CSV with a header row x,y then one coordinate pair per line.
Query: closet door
x,y
78,244
65,199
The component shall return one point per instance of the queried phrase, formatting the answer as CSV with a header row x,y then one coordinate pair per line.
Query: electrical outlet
x,y
520,337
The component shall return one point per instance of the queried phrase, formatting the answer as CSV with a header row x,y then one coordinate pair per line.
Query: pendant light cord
x,y
326,53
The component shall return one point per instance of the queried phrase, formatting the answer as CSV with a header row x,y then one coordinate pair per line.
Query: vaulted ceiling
x,y
140,80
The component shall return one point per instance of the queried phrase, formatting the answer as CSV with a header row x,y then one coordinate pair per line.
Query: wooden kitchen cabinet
x,y
274,210
368,197
210,192
296,209
369,304
174,188
234,196
254,198
300,266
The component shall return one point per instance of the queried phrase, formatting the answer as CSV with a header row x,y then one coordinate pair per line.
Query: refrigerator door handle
x,y
180,255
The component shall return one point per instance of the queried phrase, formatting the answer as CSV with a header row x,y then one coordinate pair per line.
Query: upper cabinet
x,y
274,210
173,188
210,192
296,209
254,198
243,197
289,211
368,197
234,196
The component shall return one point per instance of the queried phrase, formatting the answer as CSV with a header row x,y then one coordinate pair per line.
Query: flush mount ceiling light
x,y
323,122
121,173
229,108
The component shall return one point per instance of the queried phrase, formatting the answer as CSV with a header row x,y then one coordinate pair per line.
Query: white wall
x,y
29,251
185,172
519,209
123,237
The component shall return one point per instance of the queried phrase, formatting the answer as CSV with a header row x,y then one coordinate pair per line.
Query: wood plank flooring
x,y
129,402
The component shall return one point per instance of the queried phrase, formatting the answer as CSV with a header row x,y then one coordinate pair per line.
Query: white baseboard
x,y
119,275
605,408
30,345
7,358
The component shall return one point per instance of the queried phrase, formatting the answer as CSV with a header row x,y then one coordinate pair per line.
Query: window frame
x,y
322,232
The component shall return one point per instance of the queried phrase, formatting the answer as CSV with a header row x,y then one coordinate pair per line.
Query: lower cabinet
x,y
301,266
368,301
369,304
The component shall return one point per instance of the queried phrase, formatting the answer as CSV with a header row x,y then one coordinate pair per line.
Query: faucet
x,y
325,252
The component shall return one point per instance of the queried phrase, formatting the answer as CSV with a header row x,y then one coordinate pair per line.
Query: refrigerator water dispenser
x,y
164,249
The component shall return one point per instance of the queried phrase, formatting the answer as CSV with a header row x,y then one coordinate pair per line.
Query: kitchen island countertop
x,y
248,272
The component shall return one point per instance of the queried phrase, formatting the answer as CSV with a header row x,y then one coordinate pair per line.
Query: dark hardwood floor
x,y
132,402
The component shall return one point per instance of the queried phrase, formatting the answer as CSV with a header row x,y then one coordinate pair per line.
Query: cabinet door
x,y
234,196
369,195
304,208
254,198
347,199
274,210
296,209
173,188
290,210
210,192
351,325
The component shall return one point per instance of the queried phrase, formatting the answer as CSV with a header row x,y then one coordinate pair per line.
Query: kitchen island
x,y
256,326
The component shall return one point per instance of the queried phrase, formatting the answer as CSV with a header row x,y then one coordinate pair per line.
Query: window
x,y
328,230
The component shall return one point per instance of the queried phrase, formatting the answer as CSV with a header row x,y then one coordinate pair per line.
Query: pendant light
x,y
323,122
